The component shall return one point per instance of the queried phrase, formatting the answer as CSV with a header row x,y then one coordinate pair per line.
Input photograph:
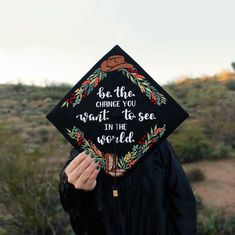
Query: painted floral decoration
x,y
145,143
124,162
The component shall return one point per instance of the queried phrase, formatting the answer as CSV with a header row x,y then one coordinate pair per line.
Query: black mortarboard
x,y
117,112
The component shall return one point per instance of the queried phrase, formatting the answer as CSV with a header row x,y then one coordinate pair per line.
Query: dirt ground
x,y
218,188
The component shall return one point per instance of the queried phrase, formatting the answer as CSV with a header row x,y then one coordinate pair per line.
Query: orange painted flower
x,y
158,130
153,96
137,75
96,82
95,149
77,90
86,82
132,162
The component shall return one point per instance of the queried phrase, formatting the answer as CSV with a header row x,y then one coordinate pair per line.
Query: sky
x,y
58,41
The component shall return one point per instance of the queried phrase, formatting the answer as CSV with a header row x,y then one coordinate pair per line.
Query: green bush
x,y
221,151
195,175
229,225
233,65
213,222
191,143
199,202
44,134
230,84
54,92
29,192
19,87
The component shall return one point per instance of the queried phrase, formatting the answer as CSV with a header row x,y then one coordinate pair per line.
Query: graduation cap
x,y
117,113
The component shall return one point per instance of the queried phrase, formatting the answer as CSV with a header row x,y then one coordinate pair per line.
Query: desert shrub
x,y
19,87
55,91
230,84
213,222
199,202
221,151
233,65
191,143
229,225
210,222
29,192
195,175
44,134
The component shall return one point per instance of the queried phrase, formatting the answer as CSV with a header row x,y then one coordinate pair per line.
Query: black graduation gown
x,y
155,198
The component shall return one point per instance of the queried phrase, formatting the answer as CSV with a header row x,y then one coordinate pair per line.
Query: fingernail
x,y
92,155
86,151
96,160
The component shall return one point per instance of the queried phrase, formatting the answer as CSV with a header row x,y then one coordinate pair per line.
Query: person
x,y
154,197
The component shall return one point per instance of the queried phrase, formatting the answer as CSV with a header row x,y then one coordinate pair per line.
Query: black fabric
x,y
155,198
129,111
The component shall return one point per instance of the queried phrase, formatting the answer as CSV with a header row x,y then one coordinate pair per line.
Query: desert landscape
x,y
32,153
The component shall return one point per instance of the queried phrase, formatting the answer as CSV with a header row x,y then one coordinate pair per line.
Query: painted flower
x,y
84,94
158,130
96,82
139,76
127,157
77,91
80,141
86,82
78,134
132,70
96,151
132,162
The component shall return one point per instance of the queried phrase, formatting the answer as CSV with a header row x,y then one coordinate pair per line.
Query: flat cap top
x,y
117,112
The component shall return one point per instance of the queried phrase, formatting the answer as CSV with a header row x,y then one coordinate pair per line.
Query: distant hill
x,y
32,152
209,132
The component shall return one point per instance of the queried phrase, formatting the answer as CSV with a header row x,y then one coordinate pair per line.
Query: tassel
x,y
115,193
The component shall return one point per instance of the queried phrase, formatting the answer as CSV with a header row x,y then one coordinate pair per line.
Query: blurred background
x,y
47,46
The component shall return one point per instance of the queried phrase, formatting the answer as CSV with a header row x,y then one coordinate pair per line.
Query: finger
x,y
91,186
75,162
90,183
87,173
93,176
76,173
